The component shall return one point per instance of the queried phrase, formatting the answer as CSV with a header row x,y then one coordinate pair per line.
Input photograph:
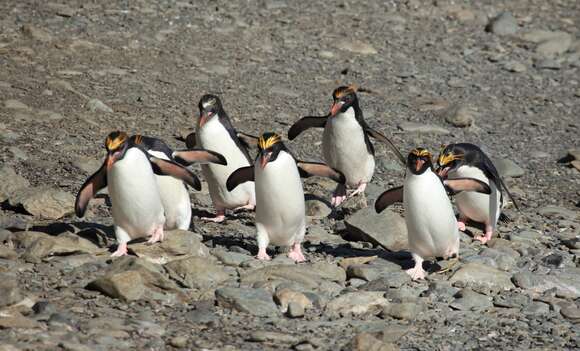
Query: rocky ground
x,y
432,72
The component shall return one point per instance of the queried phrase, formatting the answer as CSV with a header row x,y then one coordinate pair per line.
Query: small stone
x,y
405,311
357,47
460,116
179,342
508,168
257,302
96,105
125,285
9,291
196,272
295,310
367,342
468,300
15,105
571,311
284,297
87,164
267,336
7,253
44,202
387,229
349,261
565,284
11,182
357,303
548,63
556,212
514,66
36,33
13,319
536,308
555,45
317,209
483,275
177,244
503,24
231,258
422,128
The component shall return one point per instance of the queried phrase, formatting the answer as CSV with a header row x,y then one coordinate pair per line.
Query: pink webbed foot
x,y
360,190
339,195
263,255
219,217
121,250
461,223
158,235
296,253
248,207
417,272
487,237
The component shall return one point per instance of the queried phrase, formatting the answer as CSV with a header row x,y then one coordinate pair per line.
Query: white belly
x,y
214,136
344,148
175,199
476,206
136,203
280,204
431,223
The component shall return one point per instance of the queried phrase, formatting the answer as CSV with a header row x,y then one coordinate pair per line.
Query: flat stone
x,y
196,272
503,24
548,63
7,253
555,45
508,168
179,342
295,310
36,33
11,183
468,300
268,336
566,284
40,245
357,303
515,67
96,105
15,320
176,245
233,259
460,116
387,229
422,128
88,165
571,311
257,302
536,308
344,263
556,212
317,209
405,310
9,291
44,202
358,47
15,105
368,342
284,297
482,275
124,285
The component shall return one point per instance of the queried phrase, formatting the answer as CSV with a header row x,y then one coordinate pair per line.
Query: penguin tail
x,y
504,218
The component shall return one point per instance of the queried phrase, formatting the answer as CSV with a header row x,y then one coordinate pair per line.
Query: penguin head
x,y
269,146
344,98
450,158
209,106
419,160
117,143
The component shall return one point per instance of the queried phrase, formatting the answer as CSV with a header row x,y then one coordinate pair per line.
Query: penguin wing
x,y
151,144
388,198
187,157
308,169
493,175
89,189
239,176
170,168
247,139
379,136
190,140
457,185
306,122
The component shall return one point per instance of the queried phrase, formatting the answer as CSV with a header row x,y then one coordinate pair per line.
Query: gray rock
x,y
422,128
567,285
295,310
179,341
536,308
508,168
40,245
268,336
36,33
387,229
7,253
525,236
284,297
460,116
556,212
257,302
515,67
548,63
405,311
571,311
357,303
502,261
87,164
44,202
511,300
368,342
231,258
96,105
482,275
468,300
196,272
357,47
177,244
9,291
15,105
503,24
558,44
317,209
11,183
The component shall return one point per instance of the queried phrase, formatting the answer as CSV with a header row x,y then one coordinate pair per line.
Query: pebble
x,y
460,116
196,272
548,63
357,303
295,310
405,311
36,33
11,182
268,336
367,342
357,47
503,24
96,105
571,311
9,290
15,105
566,285
387,229
515,67
554,45
536,308
468,300
422,128
556,212
317,209
179,342
257,302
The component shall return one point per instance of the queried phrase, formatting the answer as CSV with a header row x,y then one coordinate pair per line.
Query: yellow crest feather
x,y
266,143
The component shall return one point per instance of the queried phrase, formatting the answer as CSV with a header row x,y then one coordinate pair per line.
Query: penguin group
x,y
147,181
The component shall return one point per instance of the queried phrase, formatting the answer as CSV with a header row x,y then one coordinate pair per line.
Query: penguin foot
x,y
296,254
249,207
461,225
121,250
339,195
263,255
157,236
360,190
484,238
416,272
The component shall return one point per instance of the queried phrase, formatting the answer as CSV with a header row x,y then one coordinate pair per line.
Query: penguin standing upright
x,y
346,144
174,194
468,160
128,172
280,207
431,223
216,133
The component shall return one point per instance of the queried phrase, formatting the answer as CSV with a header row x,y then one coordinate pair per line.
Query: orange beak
x,y
110,161
419,164
335,108
264,160
203,119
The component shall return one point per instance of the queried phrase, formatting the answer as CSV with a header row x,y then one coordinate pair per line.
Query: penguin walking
x,y
216,133
346,142
468,160
128,172
174,194
280,206
431,222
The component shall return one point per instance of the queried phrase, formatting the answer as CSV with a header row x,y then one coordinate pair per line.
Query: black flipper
x,y
170,168
187,157
388,198
509,194
379,136
190,140
504,218
308,169
151,144
239,176
89,189
305,123
457,185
